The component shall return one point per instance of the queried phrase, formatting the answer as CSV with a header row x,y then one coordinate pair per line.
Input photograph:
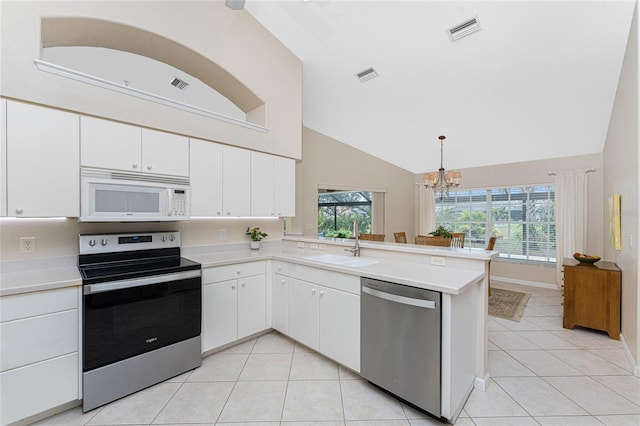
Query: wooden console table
x,y
592,296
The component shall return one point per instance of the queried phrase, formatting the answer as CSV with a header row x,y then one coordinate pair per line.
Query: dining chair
x,y
400,237
490,245
429,240
372,237
457,239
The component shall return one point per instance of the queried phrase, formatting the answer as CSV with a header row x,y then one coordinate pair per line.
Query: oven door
x,y
126,318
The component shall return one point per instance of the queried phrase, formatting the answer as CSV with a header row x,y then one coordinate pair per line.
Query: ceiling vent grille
x,y
177,83
464,29
366,75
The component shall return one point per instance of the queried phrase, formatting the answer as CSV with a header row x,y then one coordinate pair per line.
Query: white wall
x,y
234,40
621,177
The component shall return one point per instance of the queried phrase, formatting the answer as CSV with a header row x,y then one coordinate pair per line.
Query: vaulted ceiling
x,y
537,81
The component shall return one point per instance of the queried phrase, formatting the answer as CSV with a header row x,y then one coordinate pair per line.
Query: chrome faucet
x,y
356,248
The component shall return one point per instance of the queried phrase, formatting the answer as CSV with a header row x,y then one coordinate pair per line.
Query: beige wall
x,y
621,177
327,163
232,39
537,172
59,237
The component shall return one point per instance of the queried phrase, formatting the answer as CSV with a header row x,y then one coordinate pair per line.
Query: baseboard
x,y
482,383
525,282
627,353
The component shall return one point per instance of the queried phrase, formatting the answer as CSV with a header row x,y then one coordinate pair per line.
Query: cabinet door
x,y
30,390
206,178
219,314
339,327
165,153
262,185
285,187
3,157
43,158
303,312
280,304
252,305
236,181
110,145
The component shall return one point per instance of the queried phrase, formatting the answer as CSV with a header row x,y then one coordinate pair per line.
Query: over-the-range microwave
x,y
111,196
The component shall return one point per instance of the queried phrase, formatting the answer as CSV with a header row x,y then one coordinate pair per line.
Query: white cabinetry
x,y
111,145
39,359
272,185
280,298
234,303
236,181
3,157
206,178
323,310
42,161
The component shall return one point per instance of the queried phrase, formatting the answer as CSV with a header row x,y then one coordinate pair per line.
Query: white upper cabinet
x,y
43,157
3,157
165,153
272,185
206,178
236,181
111,145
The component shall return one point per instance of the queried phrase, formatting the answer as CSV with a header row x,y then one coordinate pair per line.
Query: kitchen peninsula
x,y
279,276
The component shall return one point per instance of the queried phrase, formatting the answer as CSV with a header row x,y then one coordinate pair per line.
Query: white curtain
x,y
427,210
571,216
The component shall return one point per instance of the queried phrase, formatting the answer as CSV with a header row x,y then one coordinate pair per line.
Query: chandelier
x,y
440,180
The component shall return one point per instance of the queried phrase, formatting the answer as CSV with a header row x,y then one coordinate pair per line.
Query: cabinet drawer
x,y
230,272
280,267
43,302
38,387
332,279
34,339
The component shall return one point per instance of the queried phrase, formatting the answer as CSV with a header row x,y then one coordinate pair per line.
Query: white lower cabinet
x,y
233,308
321,310
303,312
339,327
39,359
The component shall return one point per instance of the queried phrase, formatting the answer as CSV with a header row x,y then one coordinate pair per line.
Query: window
x,y
521,217
337,210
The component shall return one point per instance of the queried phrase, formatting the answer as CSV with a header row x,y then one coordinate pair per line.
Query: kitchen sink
x,y
336,259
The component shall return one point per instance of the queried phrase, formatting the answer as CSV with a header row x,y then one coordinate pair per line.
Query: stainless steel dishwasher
x,y
400,341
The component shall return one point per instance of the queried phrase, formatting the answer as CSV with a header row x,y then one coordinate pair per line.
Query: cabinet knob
x,y
271,213
228,213
283,282
134,165
313,290
218,213
149,167
321,292
244,284
238,271
19,210
233,286
103,241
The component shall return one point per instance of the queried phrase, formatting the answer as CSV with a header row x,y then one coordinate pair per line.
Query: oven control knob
x,y
163,238
92,243
171,238
103,242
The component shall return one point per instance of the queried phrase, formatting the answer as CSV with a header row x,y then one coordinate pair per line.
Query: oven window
x,y
124,323
127,201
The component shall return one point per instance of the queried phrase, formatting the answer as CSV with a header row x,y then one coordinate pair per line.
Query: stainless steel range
x,y
142,308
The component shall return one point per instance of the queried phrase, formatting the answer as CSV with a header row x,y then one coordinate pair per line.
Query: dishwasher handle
x,y
421,303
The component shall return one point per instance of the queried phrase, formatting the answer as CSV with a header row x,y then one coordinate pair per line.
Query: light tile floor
x,y
541,374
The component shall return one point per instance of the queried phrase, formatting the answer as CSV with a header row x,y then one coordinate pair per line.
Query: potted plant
x,y
256,236
441,231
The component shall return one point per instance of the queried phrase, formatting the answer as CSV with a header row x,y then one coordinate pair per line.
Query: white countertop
x,y
416,271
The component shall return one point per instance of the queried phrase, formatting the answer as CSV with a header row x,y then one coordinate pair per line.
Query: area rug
x,y
507,304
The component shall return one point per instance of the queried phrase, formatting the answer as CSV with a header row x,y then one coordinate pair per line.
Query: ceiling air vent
x,y
464,29
366,75
180,84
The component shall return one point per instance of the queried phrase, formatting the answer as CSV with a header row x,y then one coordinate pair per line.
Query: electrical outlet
x,y
222,234
313,245
28,245
300,244
322,246
439,261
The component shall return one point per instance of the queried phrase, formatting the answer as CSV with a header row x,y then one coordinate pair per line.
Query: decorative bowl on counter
x,y
585,258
